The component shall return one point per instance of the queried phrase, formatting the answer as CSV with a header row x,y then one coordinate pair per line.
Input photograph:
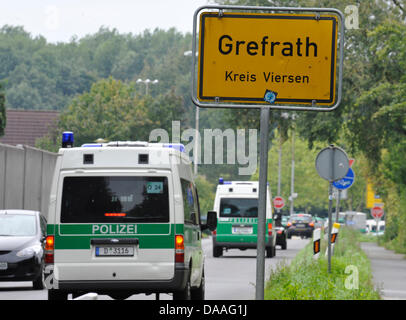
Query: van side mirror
x,y
211,221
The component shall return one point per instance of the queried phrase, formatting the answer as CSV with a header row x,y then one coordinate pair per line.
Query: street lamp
x,y
293,195
195,155
147,82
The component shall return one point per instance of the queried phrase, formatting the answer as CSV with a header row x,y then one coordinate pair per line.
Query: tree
x,y
2,110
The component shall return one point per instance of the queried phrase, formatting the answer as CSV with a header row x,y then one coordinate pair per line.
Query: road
x,y
388,271
230,277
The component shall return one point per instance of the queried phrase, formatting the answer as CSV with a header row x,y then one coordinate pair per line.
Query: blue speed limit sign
x,y
345,182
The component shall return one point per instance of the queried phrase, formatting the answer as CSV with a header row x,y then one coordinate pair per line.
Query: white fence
x,y
25,177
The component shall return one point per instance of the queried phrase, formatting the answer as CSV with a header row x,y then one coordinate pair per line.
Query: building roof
x,y
25,126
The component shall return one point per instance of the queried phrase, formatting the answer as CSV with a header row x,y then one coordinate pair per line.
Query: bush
x,y
308,279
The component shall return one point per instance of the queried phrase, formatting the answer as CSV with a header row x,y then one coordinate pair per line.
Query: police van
x,y
124,219
236,206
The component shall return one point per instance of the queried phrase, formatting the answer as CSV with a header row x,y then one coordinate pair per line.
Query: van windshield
x,y
115,199
238,207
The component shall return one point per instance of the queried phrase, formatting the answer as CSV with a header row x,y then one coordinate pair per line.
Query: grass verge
x,y
308,279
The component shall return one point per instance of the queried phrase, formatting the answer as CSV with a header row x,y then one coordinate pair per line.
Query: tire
x,y
185,294
270,252
284,245
217,251
199,293
56,295
38,284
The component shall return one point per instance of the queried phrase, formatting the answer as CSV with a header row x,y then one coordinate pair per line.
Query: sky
x,y
60,20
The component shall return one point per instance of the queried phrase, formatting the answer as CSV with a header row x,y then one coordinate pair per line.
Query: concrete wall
x,y
25,177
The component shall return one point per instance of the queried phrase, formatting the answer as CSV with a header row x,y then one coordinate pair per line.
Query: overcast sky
x,y
59,20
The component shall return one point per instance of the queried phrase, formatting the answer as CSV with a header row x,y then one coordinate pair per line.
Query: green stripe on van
x,y
150,236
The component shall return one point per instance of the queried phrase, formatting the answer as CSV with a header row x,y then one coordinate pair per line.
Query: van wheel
x,y
217,251
284,245
270,252
185,294
38,284
199,293
57,295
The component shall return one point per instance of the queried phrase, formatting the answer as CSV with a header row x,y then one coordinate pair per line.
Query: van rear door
x,y
115,227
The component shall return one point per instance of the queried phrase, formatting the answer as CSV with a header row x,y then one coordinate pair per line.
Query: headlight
x,y
29,251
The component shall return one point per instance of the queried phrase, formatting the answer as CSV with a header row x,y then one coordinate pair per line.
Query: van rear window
x,y
238,207
114,199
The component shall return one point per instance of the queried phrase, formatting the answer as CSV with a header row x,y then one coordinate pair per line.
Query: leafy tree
x,y
2,110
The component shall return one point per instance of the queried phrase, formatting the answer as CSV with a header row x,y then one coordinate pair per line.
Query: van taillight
x,y
269,229
49,249
179,249
214,232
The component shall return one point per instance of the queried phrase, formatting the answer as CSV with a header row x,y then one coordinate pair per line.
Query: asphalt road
x,y
230,277
388,271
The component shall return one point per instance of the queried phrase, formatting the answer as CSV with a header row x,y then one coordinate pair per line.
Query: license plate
x,y
3,266
300,225
242,230
114,251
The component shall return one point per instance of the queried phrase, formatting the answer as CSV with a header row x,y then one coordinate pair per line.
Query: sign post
x,y
267,58
331,164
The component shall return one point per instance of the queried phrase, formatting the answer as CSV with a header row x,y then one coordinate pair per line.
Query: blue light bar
x,y
221,180
177,146
67,139
86,145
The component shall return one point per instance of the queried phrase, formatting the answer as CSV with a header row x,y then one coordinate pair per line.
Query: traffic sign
x,y
377,212
264,58
345,182
278,202
332,163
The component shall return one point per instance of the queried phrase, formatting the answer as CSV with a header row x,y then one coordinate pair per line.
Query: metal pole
x,y
196,152
338,204
330,205
262,193
292,181
279,166
337,212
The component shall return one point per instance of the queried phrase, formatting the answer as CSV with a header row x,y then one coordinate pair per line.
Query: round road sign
x,y
332,163
278,202
377,212
345,182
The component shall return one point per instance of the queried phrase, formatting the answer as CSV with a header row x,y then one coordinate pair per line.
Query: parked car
x,y
300,225
22,234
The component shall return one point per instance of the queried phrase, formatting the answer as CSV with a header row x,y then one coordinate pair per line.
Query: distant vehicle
x,y
22,235
371,226
281,237
318,222
356,220
284,221
236,205
300,225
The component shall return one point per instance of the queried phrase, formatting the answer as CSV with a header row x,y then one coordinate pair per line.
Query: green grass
x,y
308,279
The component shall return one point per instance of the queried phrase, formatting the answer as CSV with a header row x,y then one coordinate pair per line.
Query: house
x,y
25,126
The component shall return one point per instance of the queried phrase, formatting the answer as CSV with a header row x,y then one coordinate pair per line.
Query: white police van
x,y
123,219
236,206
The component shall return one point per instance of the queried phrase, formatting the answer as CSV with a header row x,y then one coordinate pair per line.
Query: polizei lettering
x,y
301,48
114,229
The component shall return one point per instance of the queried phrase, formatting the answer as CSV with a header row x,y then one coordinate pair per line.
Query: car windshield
x,y
17,225
239,207
301,219
115,199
